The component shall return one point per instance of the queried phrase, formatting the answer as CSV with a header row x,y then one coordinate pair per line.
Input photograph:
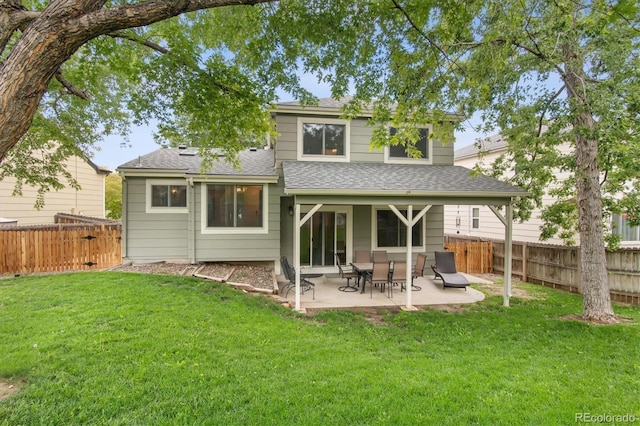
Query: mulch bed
x,y
258,277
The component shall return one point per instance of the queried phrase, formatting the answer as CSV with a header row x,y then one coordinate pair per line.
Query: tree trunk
x,y
53,35
595,280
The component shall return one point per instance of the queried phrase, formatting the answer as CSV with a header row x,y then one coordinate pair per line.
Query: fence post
x,y
524,261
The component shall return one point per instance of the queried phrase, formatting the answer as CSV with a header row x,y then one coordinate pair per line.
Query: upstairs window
x,y
398,153
323,139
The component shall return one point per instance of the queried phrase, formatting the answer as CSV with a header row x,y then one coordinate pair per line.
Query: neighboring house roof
x,y
322,103
392,179
99,169
490,144
252,162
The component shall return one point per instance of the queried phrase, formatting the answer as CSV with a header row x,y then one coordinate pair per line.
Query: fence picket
x,y
59,247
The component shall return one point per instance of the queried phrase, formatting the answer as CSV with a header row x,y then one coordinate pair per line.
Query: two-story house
x,y
317,192
87,201
477,221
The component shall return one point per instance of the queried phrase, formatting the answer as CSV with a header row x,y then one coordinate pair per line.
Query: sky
x,y
112,153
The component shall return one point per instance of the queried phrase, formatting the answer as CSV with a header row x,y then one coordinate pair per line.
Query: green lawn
x,y
116,348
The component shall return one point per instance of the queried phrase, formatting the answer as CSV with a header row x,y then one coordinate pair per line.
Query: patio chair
x,y
378,275
379,256
290,274
362,256
398,276
348,275
445,269
418,270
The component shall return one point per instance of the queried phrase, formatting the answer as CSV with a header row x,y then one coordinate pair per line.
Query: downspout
x,y
124,209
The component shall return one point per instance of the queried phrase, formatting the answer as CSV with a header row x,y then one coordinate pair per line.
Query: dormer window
x,y
323,139
398,153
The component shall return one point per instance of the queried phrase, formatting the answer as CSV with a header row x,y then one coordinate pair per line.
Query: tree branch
x,y
116,18
70,87
424,35
163,50
13,16
546,107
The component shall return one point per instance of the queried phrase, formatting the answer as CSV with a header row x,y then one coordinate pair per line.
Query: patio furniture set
x,y
378,271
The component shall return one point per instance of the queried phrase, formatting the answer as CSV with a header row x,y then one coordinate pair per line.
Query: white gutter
x,y
402,193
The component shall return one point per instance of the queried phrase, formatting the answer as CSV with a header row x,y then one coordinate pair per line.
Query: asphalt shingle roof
x,y
323,102
394,178
259,162
492,143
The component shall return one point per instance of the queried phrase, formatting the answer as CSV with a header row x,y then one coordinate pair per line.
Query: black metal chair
x,y
290,274
445,269
348,275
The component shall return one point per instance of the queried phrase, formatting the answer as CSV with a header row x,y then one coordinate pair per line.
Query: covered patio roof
x,y
317,182
434,184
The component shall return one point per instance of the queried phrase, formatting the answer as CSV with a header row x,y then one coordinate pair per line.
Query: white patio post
x,y
508,254
296,251
297,223
409,222
507,221
409,254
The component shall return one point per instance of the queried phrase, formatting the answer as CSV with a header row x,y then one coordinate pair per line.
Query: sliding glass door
x,y
322,237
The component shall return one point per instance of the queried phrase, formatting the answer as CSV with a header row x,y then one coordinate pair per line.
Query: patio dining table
x,y
362,268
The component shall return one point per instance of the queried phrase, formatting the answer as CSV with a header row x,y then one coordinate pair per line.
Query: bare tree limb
x,y
82,94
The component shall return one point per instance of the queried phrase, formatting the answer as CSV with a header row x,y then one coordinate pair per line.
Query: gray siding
x,y
240,247
152,236
360,138
434,234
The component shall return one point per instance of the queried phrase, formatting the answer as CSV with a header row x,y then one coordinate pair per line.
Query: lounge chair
x,y
445,269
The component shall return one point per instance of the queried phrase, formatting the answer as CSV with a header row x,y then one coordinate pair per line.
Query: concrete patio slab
x,y
327,295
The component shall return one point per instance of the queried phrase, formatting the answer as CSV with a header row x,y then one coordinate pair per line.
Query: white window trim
x,y
395,160
328,158
403,249
474,218
204,229
165,210
348,210
625,243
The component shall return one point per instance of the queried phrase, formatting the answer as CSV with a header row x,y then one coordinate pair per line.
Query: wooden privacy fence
x,y
473,257
559,267
59,247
